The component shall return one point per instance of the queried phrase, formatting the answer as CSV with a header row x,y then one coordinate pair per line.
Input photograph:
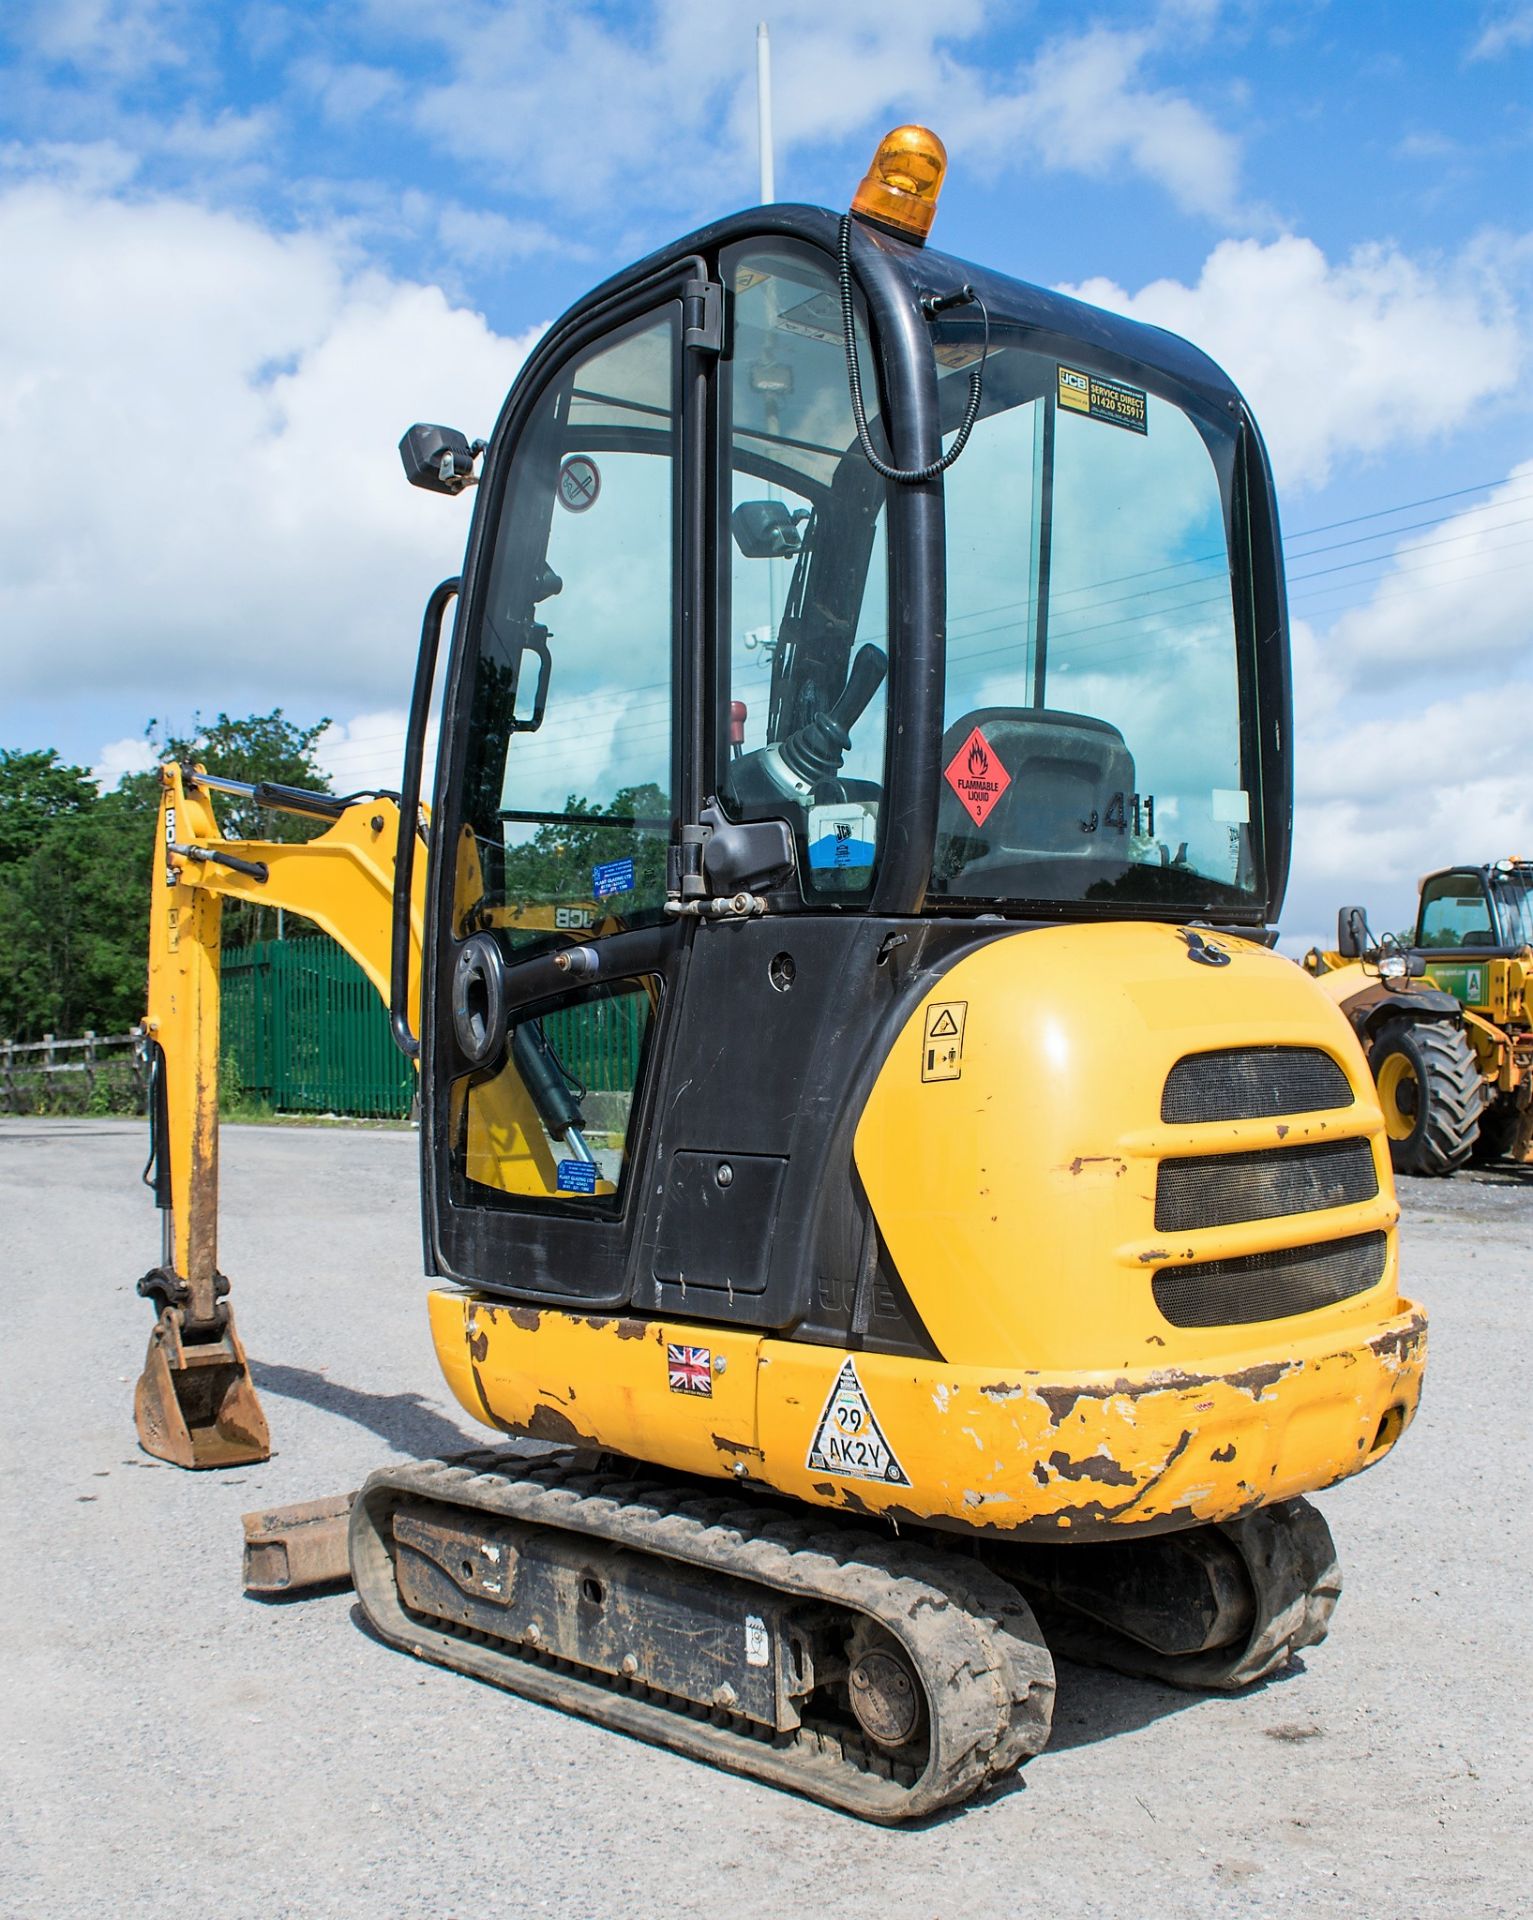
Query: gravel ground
x,y
171,1747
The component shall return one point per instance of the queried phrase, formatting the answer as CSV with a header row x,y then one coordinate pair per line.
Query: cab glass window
x,y
553,1120
566,807
564,811
1514,898
1095,748
1455,913
804,657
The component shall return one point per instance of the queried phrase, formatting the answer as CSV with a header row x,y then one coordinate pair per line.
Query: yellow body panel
x,y
989,1447
1018,1201
1012,1173
506,1146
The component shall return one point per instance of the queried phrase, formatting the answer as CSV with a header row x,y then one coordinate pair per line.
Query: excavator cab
x,y
739,708
862,1123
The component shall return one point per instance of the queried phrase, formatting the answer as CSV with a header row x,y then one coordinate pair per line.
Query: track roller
x,y
882,1677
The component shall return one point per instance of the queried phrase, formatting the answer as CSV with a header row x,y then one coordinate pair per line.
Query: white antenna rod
x,y
764,112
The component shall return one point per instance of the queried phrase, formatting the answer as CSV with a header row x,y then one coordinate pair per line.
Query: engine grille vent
x,y
1220,1189
1252,1083
1269,1286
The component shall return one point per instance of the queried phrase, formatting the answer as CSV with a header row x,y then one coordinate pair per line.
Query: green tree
x,y
74,923
259,746
37,788
76,864
554,867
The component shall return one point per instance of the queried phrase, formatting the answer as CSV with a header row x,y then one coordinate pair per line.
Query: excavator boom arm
x,y
195,1403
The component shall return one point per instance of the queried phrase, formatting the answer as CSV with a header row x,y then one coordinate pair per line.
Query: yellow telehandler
x,y
1446,1021
866,739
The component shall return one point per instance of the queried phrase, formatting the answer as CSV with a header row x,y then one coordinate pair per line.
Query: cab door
x,y
565,770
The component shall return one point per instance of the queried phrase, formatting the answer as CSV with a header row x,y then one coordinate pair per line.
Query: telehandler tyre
x,y
1429,1088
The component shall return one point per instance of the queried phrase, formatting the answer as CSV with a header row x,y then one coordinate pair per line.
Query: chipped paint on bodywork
x,y
1162,1447
1099,1466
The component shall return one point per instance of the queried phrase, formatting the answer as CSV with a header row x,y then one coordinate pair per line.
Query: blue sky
x,y
247,244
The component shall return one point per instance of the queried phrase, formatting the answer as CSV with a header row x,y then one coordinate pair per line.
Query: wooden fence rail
x,y
27,1066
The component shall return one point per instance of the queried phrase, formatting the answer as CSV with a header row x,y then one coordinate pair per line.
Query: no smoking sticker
x,y
977,777
579,483
849,1441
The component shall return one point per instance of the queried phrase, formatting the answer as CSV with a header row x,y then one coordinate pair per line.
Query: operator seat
x,y
1065,771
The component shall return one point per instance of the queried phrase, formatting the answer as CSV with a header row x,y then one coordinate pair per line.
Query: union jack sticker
x,y
690,1370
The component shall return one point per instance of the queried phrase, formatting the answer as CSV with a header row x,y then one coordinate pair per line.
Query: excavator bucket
x,y
195,1404
292,1550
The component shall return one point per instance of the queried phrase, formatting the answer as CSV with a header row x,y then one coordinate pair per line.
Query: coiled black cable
x,y
906,476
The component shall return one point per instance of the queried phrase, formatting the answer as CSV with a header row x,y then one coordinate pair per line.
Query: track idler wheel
x,y
1215,1607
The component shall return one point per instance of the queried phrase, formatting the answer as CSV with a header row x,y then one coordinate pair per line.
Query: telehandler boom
x,y
862,1124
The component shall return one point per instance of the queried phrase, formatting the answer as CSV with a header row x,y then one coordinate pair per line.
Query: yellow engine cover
x,y
1011,1151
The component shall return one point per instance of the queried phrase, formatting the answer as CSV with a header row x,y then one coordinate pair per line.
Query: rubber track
x,y
1290,1560
1450,1086
972,1639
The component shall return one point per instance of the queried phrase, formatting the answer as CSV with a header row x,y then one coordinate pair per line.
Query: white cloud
x,y
1370,846
1085,107
367,752
1341,357
117,757
88,167
119,39
1505,30
1409,755
348,92
476,238
213,499
526,77
1457,591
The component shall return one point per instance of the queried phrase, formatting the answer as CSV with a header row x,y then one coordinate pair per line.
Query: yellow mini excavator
x,y
864,1127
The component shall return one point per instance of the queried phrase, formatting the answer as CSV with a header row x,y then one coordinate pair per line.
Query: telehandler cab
x,y
861,1121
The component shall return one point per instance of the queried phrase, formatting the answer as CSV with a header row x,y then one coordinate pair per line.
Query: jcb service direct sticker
x,y
1102,399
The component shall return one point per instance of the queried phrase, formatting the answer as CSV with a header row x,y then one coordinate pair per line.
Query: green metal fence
x,y
600,1040
304,1030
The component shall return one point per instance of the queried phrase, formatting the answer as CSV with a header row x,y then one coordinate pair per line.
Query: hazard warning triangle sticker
x,y
849,1441
977,777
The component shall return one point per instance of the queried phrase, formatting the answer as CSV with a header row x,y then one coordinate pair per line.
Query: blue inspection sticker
x,y
616,876
842,838
576,1176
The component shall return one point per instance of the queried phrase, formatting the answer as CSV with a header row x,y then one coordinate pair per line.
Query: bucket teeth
x,y
195,1404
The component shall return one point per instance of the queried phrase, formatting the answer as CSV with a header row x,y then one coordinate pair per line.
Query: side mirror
x,y
765,530
439,459
1351,933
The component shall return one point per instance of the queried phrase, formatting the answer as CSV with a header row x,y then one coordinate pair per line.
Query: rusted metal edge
x,y
295,1549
